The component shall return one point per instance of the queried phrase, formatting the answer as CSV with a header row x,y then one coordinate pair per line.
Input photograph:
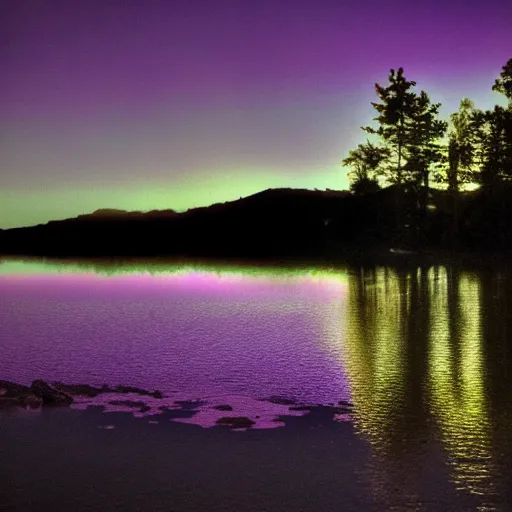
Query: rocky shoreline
x,y
41,393
235,414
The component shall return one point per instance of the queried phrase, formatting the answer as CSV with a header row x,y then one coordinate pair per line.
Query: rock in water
x,y
11,389
223,407
49,394
78,389
17,394
236,421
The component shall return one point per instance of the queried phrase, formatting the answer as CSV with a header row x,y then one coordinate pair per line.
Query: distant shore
x,y
279,225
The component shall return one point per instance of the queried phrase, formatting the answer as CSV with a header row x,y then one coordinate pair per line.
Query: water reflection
x,y
457,380
418,372
385,370
423,353
163,267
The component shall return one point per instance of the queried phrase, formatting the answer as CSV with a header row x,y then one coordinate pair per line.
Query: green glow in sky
x,y
24,207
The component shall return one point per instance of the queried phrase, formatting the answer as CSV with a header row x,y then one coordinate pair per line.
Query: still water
x,y
422,353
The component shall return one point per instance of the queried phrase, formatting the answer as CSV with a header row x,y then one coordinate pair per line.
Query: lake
x,y
422,354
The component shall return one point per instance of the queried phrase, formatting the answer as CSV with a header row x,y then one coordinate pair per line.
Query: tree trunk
x,y
455,218
453,187
398,206
424,206
398,191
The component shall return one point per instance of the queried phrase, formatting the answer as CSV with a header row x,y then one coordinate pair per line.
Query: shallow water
x,y
423,354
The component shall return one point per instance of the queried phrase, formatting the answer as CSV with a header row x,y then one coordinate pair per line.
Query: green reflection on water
x,y
164,268
457,380
417,372
374,349
375,356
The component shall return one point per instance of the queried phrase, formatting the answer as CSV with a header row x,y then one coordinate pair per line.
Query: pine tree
x,y
423,146
366,162
461,155
397,103
493,129
503,83
410,129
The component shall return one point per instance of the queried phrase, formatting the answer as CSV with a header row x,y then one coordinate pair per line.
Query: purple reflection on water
x,y
196,334
263,413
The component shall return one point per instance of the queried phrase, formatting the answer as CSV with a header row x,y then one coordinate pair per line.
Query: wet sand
x,y
88,460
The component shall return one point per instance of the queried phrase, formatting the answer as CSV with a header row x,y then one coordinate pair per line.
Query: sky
x,y
153,104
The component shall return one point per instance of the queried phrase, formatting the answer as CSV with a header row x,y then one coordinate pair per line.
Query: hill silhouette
x,y
271,223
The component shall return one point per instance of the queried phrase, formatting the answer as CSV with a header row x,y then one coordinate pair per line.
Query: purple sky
x,y
143,104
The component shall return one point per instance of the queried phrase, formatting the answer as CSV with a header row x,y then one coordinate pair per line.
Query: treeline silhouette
x,y
411,149
276,223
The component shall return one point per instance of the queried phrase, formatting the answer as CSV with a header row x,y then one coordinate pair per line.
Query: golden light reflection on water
x,y
416,368
375,354
375,350
457,381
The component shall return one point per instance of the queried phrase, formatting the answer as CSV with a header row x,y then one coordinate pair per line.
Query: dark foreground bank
x,y
62,459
